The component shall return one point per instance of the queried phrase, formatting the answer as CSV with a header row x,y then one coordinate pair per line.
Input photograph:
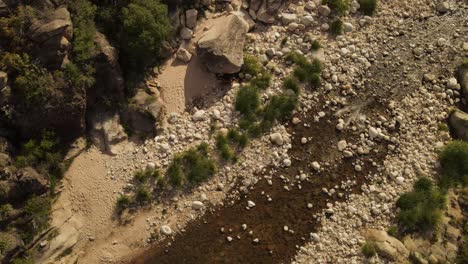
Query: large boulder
x,y
387,246
109,84
221,47
463,80
145,112
265,10
458,122
107,132
51,31
27,182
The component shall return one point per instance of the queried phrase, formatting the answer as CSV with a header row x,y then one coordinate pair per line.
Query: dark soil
x,y
203,242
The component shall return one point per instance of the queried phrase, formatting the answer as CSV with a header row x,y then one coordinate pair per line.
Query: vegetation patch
x,y
421,208
191,166
230,144
369,249
336,27
338,7
368,6
454,164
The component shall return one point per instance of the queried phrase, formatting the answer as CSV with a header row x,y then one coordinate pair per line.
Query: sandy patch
x,y
181,83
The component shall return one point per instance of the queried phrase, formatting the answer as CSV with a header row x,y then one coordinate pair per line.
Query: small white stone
x,y
197,205
342,145
316,166
250,204
165,230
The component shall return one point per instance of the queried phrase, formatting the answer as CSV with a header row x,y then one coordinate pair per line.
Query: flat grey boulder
x,y
458,121
221,48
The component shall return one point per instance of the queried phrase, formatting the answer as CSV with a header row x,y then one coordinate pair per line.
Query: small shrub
x,y
123,202
338,7
4,243
284,41
251,65
235,136
142,176
247,100
193,166
5,210
36,217
454,163
223,147
369,249
175,172
442,127
336,27
291,84
300,73
315,80
279,108
368,6
315,45
262,80
142,195
393,231
421,208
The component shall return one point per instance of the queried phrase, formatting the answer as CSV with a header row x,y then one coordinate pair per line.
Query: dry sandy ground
x,y
83,215
181,83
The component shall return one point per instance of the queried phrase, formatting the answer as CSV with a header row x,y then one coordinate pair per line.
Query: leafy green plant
x,y
262,80
421,209
192,166
247,100
338,7
123,202
145,26
336,27
369,249
454,163
4,243
291,84
142,176
36,217
315,45
368,6
83,13
251,65
393,231
142,195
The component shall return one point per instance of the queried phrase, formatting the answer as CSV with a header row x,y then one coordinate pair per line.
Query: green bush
x,y
175,172
291,84
247,100
336,27
193,166
5,210
315,45
14,28
145,26
42,155
338,7
421,209
454,163
262,80
237,137
36,217
393,231
123,202
83,13
369,249
4,243
279,108
142,176
251,65
368,6
142,195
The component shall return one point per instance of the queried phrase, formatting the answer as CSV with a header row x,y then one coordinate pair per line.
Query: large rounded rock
x,y
463,80
221,48
458,121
